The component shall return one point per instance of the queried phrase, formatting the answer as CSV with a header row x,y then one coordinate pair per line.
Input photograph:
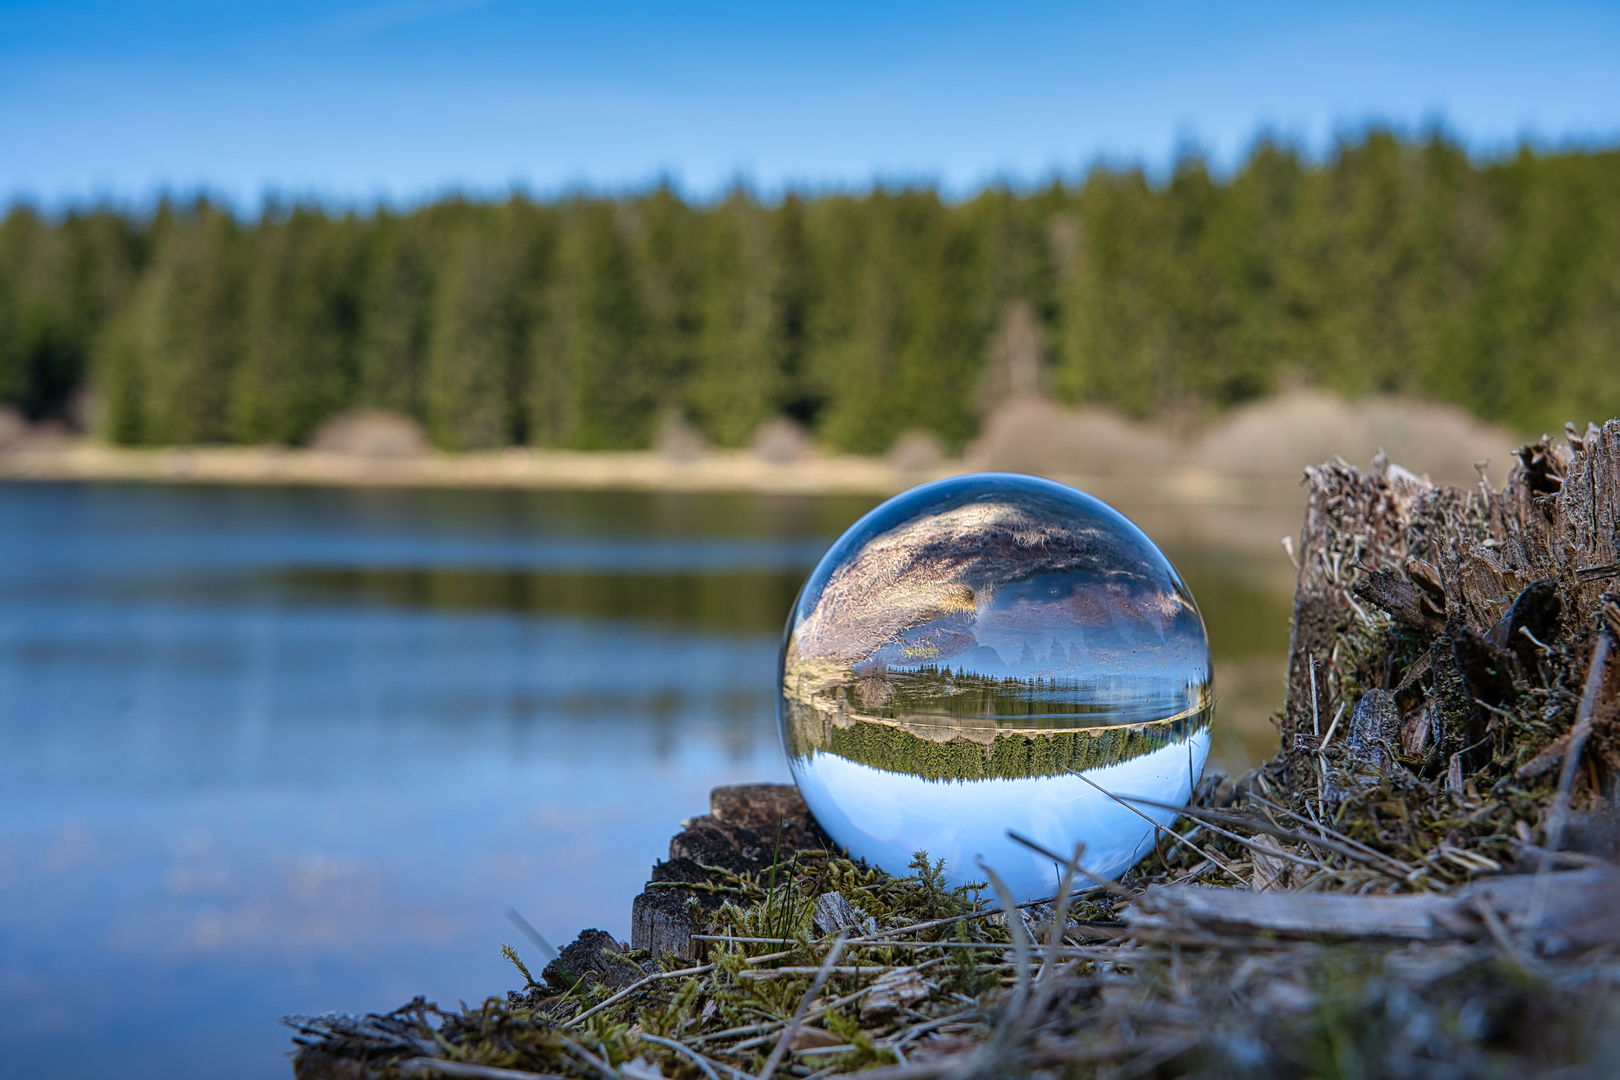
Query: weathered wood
x,y
326,1043
748,827
1583,906
1480,582
593,957
1403,600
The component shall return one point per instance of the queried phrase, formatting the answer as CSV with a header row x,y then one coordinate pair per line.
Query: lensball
x,y
992,654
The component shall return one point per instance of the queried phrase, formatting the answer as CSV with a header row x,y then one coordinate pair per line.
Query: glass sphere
x,y
991,653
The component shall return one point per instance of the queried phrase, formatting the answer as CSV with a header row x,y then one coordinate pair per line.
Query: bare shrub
x,y
678,439
1272,439
1279,436
13,428
370,433
1032,434
917,451
781,439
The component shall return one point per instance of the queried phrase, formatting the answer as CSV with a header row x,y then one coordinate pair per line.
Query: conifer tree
x,y
736,381
853,339
166,363
1396,265
395,312
300,324
479,327
59,287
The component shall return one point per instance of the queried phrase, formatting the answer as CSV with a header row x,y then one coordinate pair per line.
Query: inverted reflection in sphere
x,y
969,650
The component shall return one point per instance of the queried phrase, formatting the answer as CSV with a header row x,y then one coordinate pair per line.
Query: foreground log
x,y
1580,909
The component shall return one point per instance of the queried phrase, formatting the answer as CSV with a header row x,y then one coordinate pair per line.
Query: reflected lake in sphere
x,y
968,656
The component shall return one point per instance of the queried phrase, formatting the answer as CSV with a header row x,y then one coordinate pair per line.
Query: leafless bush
x,y
370,433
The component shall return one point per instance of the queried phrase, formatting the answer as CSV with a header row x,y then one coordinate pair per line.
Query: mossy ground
x,y
1427,743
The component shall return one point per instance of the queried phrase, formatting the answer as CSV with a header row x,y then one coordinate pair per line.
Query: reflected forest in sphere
x,y
989,653
1395,265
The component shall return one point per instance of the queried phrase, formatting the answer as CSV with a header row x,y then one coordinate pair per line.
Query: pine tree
x,y
301,323
166,362
1397,265
475,376
736,379
395,312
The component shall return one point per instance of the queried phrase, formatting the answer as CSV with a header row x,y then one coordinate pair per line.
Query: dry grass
x,y
1267,439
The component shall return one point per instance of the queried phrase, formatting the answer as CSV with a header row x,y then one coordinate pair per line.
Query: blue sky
x,y
406,99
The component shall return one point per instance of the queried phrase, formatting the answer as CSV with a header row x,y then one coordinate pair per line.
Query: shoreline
x,y
1173,504
521,467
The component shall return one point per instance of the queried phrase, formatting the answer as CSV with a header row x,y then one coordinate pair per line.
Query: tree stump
x,y
747,829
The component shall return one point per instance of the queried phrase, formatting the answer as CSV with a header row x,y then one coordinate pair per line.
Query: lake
x,y
274,750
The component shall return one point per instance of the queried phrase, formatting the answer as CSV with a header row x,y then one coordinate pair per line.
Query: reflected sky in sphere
x,y
970,647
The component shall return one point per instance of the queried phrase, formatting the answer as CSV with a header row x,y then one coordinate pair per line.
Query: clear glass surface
x,y
995,653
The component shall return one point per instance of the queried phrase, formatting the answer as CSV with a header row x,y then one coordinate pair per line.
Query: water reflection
x,y
270,750
737,602
266,751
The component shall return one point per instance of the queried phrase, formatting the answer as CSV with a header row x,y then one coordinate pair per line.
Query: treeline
x,y
1394,266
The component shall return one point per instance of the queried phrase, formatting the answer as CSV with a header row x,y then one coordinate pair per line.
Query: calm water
x,y
267,751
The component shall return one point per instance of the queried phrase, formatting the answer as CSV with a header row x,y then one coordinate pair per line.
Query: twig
x,y
916,1031
804,1006
1346,850
852,942
1316,709
1288,546
1499,933
591,1059
768,957
1170,833
417,1066
633,987
1324,830
932,923
766,1028
702,1062
1558,815
844,969
1331,729
1110,887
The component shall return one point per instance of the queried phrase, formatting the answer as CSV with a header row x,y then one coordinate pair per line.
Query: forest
x,y
1392,264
